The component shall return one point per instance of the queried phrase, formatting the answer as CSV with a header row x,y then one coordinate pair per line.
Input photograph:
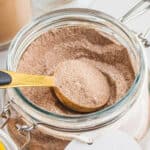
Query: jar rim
x,y
94,13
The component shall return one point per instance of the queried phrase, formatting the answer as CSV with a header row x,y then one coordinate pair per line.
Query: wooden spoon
x,y
9,79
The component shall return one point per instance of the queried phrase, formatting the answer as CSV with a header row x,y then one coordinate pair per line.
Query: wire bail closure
x,y
140,7
5,114
25,128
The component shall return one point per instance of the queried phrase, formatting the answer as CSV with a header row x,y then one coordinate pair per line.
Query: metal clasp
x,y
140,7
27,129
5,114
144,40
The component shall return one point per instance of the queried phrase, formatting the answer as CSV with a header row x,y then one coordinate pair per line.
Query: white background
x,y
116,8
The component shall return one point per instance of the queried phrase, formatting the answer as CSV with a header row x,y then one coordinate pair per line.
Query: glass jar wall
x,y
48,124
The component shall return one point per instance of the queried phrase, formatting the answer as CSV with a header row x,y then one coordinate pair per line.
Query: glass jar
x,y
14,14
41,129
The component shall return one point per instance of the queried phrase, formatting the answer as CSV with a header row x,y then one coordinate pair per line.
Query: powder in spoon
x,y
82,84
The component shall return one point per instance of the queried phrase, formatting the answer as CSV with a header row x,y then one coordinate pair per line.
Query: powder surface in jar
x,y
82,84
82,43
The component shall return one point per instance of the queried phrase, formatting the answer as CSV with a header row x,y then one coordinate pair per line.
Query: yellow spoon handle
x,y
10,79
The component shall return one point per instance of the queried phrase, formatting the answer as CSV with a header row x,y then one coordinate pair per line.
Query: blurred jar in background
x,y
14,14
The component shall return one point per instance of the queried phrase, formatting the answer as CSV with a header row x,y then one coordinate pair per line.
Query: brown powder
x,y
76,43
82,84
80,43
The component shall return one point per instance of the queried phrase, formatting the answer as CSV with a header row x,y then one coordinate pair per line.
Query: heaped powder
x,y
83,84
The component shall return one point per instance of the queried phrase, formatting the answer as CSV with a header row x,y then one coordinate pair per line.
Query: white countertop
x,y
114,7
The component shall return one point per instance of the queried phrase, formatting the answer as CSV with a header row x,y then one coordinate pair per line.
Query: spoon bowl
x,y
80,90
